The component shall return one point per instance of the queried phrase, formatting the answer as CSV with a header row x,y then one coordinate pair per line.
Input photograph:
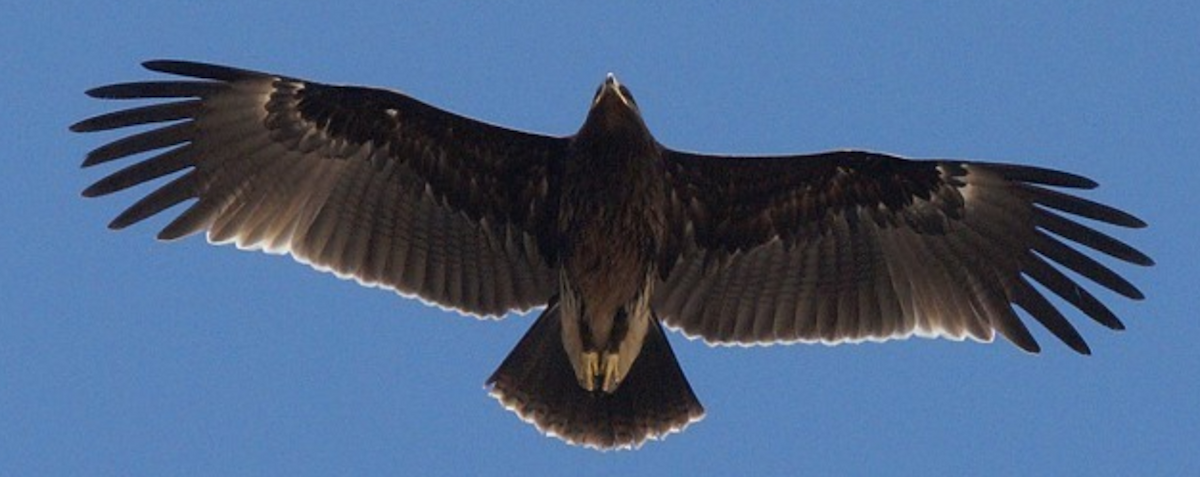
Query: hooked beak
x,y
612,88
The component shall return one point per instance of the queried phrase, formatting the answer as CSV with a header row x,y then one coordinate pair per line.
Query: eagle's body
x,y
612,180
614,233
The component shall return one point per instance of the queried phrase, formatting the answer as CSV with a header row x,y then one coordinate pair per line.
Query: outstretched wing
x,y
850,246
366,183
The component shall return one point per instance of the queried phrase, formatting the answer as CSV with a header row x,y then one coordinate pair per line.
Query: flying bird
x,y
614,234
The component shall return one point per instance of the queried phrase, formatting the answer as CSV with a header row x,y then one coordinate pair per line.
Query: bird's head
x,y
614,109
612,96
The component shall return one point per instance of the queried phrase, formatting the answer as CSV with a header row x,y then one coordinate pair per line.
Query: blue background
x,y
120,355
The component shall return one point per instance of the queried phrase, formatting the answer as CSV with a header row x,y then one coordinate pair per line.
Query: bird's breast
x,y
610,251
611,230
611,225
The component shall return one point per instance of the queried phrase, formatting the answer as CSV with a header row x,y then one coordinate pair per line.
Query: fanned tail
x,y
536,382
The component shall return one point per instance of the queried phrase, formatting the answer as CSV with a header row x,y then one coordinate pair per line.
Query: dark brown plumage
x,y
612,231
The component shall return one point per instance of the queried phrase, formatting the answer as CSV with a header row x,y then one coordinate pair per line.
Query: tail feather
x,y
536,382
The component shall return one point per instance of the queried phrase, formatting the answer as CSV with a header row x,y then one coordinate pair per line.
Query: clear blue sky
x,y
120,355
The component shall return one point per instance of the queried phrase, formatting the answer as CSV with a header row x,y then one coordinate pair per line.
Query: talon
x,y
591,368
611,380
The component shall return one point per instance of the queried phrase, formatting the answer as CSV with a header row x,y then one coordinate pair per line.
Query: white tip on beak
x,y
611,86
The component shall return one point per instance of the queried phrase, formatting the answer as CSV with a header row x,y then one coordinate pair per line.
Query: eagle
x,y
610,233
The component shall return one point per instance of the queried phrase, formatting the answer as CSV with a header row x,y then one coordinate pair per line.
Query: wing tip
x,y
92,191
119,223
1027,344
84,125
170,235
1080,346
1041,175
1134,222
171,66
103,92
93,158
1141,259
196,69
